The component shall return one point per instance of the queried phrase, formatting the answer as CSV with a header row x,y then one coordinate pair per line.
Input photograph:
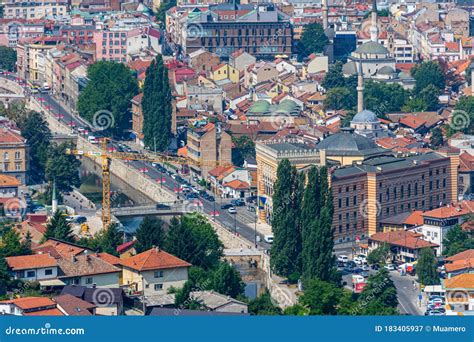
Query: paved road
x,y
407,295
243,223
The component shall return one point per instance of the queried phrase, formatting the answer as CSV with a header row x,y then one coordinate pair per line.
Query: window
x,y
158,287
17,155
89,280
158,274
48,271
444,183
340,203
30,274
355,200
347,201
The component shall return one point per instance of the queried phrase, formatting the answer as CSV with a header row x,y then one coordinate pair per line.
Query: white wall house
x,y
33,267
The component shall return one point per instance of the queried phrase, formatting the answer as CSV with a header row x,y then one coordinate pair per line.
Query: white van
x,y
92,139
268,238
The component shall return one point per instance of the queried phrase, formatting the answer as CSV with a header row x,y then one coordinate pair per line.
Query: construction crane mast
x,y
106,158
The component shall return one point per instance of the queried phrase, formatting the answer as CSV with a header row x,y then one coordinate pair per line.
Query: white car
x,y
360,260
232,210
268,238
389,267
343,258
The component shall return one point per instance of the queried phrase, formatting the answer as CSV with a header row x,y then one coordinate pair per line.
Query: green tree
x,y
436,139
430,96
36,131
340,98
12,245
296,310
379,296
244,148
456,241
286,247
426,268
414,105
5,279
105,101
313,40
58,228
194,240
379,255
149,234
62,168
463,117
334,78
156,104
382,98
7,58
164,7
321,297
316,233
227,280
428,73
183,299
263,305
109,239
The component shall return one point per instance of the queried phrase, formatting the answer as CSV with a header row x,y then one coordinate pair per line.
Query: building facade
x,y
14,157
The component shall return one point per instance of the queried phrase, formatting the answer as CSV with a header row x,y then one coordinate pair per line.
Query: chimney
x,y
73,258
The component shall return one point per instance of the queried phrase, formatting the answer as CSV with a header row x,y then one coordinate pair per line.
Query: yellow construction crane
x,y
106,157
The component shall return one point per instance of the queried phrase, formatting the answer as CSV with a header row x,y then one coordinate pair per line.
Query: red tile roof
x,y
111,259
238,185
8,181
469,254
24,262
412,121
59,249
402,238
7,136
46,312
466,162
28,303
125,246
452,210
462,281
154,259
415,218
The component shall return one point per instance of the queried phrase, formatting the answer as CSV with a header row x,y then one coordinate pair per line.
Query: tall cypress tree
x,y
156,105
286,247
317,235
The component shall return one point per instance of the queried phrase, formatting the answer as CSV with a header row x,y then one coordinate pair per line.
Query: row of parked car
x,y
435,306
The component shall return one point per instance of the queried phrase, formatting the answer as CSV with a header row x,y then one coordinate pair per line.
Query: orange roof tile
x,y
154,259
59,249
47,312
462,281
454,210
28,303
237,184
183,151
24,262
459,265
8,181
402,238
412,121
469,254
466,162
111,259
7,136
415,218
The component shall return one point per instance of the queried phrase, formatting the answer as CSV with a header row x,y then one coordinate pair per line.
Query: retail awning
x,y
52,282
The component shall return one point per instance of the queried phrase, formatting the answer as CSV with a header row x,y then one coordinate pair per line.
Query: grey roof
x,y
366,116
286,146
371,47
348,143
214,300
157,311
385,163
386,70
349,68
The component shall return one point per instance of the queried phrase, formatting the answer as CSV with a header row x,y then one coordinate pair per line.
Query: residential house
x,y
317,63
405,246
137,118
459,295
224,72
214,301
203,61
108,301
402,221
14,156
437,222
153,272
74,306
260,72
208,147
29,306
8,186
459,263
241,60
127,249
34,267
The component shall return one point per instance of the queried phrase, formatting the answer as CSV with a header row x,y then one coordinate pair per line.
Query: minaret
x,y
374,30
325,14
54,204
360,89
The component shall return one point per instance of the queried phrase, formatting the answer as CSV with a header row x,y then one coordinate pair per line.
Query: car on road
x,y
251,199
268,238
232,210
162,206
340,264
343,258
436,301
390,267
190,196
251,208
365,274
173,176
226,206
434,313
237,203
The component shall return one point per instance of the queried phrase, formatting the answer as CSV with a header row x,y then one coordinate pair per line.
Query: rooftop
x,y
462,281
402,238
25,262
154,259
348,143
